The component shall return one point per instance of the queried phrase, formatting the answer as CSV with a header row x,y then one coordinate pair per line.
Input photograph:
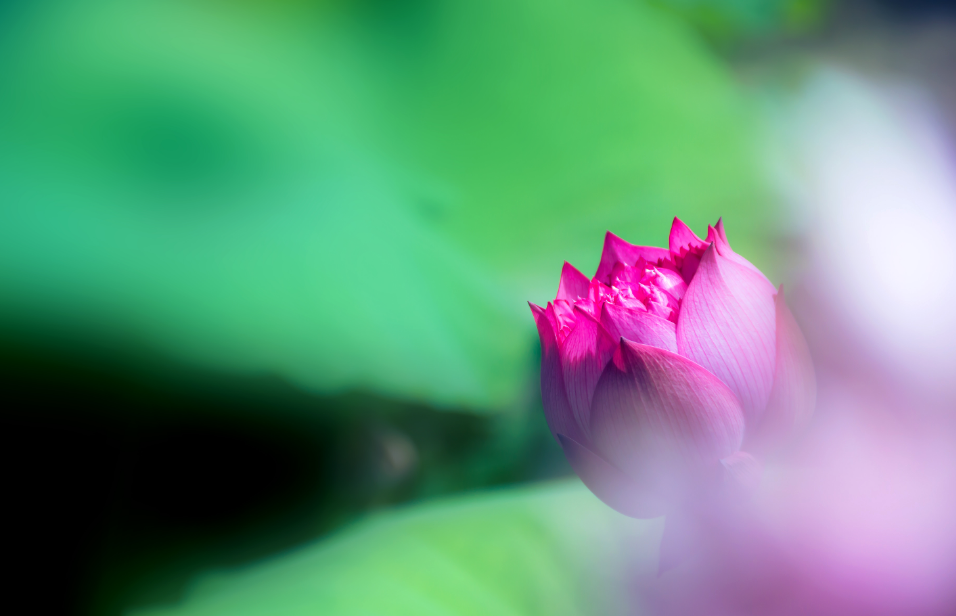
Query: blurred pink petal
x,y
680,540
727,325
639,326
609,484
794,392
741,474
584,353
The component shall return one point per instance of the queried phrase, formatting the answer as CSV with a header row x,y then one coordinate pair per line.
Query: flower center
x,y
642,287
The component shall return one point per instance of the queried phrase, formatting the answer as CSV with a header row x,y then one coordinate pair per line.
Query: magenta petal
x,y
584,353
656,416
689,266
639,326
794,392
562,312
574,285
686,248
549,342
727,324
682,239
554,398
609,484
617,251
671,282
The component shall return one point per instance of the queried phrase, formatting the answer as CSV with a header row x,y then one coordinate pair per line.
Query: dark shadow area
x,y
124,481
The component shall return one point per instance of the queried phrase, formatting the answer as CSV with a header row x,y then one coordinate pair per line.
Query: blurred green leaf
x,y
726,21
355,194
551,550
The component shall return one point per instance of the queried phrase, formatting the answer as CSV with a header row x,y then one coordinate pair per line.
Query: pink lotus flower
x,y
660,370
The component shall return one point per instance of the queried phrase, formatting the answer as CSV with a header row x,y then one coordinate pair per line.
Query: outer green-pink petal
x,y
727,324
554,398
573,285
639,326
657,416
584,353
608,483
794,392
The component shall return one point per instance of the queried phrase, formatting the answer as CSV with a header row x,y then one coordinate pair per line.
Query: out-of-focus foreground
x,y
263,271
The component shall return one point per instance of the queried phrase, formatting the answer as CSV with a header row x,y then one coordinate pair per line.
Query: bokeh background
x,y
264,345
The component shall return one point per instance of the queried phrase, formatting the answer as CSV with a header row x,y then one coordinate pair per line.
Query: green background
x,y
312,226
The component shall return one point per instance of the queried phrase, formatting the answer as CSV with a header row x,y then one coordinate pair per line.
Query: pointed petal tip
x,y
617,250
718,236
681,231
720,229
540,315
573,284
686,248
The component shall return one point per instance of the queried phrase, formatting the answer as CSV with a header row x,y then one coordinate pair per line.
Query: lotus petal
x,y
719,228
689,265
639,326
794,392
554,397
686,247
682,238
609,484
617,251
584,353
657,415
574,285
718,236
727,324
670,282
561,313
